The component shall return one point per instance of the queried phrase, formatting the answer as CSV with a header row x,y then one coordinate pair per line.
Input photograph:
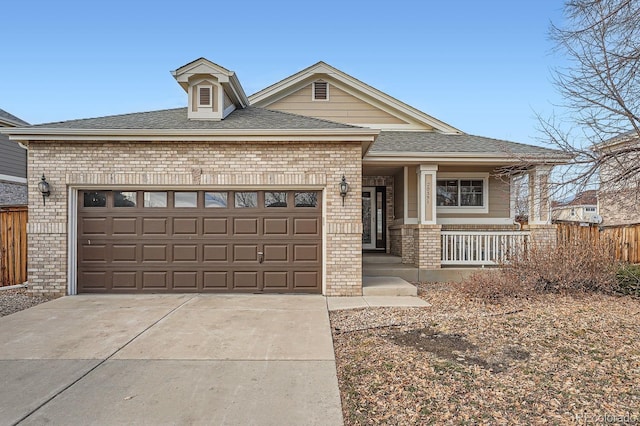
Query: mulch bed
x,y
545,360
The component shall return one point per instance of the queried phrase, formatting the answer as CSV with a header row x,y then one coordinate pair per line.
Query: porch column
x,y
539,206
427,194
426,236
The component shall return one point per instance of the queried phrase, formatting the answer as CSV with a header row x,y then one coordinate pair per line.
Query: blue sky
x,y
481,66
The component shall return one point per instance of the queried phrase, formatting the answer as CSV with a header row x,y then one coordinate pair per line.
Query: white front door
x,y
369,210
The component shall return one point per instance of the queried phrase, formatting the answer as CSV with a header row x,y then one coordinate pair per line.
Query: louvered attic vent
x,y
205,96
320,91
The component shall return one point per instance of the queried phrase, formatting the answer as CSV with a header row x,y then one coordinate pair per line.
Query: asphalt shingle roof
x,y
247,118
253,118
433,142
10,117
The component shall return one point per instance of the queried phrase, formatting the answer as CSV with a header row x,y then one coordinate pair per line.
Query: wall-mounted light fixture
x,y
344,188
43,187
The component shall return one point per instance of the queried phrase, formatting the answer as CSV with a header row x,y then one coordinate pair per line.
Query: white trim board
x,y
474,221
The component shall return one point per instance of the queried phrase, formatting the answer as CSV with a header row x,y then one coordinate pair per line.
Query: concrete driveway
x,y
170,359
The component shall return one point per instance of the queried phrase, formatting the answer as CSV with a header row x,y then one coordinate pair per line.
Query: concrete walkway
x,y
179,359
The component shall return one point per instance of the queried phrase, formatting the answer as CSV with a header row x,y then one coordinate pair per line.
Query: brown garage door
x,y
199,241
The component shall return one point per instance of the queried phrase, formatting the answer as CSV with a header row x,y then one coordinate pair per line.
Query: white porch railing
x,y
481,247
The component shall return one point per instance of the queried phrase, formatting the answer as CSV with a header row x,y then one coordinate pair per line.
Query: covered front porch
x,y
427,217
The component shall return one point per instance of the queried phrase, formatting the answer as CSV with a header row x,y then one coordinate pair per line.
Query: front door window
x,y
373,226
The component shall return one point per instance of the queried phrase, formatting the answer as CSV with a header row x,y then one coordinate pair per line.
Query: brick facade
x,y
427,243
194,165
402,242
418,245
620,207
543,234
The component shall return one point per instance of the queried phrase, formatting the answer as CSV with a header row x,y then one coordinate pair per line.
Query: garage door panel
x,y
93,280
244,280
306,252
94,253
215,226
245,226
245,253
124,226
125,280
185,253
154,280
154,253
185,226
154,226
124,253
276,253
215,253
306,226
306,279
273,280
186,280
200,248
215,280
276,226
94,226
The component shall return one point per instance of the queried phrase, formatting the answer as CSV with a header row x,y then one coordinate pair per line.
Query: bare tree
x,y
600,86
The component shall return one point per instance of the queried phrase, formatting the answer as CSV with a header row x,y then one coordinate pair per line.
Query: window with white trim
x,y
320,91
459,193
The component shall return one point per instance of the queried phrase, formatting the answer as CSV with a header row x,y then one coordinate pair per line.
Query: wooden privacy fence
x,y
13,245
625,239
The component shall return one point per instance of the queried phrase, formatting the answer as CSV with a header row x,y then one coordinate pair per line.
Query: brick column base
x,y
402,242
544,234
427,241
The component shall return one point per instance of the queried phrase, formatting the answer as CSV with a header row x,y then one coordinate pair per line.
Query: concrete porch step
x,y
406,272
387,286
378,258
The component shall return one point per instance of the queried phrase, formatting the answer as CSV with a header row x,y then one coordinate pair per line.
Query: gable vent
x,y
320,91
205,96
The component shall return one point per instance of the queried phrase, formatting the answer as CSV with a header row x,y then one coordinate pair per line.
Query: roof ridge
x,y
108,116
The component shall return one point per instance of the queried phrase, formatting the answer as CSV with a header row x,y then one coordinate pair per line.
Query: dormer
x,y
214,92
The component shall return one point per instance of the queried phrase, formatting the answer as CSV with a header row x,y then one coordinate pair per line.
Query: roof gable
x,y
409,118
340,106
203,69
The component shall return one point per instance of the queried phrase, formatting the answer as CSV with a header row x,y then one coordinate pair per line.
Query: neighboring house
x,y
619,199
246,194
13,165
582,208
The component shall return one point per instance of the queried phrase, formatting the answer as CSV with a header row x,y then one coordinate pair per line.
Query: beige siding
x,y
227,100
341,107
412,184
499,194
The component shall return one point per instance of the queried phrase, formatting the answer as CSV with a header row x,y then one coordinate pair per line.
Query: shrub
x,y
494,284
567,267
628,277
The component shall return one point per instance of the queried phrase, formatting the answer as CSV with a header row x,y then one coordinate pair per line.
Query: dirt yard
x,y
548,360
